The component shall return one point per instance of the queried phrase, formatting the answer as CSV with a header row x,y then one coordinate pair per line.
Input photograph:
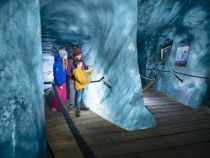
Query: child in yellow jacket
x,y
81,81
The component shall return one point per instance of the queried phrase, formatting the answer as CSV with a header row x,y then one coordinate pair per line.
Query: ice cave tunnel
x,y
136,45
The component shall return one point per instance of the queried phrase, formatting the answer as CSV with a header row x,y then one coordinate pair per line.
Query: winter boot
x,y
83,107
77,112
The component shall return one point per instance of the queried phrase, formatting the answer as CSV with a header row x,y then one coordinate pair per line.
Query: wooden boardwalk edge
x,y
181,132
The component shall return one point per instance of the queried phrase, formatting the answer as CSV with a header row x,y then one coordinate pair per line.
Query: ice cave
x,y
154,100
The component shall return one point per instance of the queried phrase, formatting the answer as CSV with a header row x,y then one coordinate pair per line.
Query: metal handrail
x,y
175,72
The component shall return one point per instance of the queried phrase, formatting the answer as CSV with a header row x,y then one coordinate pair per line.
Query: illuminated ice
x,y
185,23
22,121
107,32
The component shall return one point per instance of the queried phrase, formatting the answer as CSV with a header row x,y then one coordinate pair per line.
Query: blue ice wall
x,y
22,126
107,31
183,22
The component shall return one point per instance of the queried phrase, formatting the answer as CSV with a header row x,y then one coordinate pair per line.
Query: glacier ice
x,y
22,125
106,31
183,22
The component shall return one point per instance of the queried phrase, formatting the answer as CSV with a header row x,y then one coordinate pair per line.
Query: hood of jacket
x,y
58,58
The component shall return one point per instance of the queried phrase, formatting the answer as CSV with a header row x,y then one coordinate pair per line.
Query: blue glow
x,y
107,31
186,23
22,122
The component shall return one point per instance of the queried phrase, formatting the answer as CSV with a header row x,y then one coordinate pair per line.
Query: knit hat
x,y
77,52
62,52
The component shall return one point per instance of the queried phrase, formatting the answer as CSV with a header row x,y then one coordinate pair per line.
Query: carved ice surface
x,y
183,22
107,32
22,121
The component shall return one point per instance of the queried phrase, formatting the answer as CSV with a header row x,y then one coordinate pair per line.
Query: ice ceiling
x,y
107,32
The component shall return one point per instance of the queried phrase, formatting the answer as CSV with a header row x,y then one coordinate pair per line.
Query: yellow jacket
x,y
81,79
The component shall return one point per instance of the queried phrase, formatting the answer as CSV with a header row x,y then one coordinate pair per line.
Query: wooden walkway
x,y
182,132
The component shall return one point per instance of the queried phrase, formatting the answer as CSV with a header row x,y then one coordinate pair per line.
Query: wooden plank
x,y
173,106
59,136
61,139
68,153
125,136
117,149
190,117
176,113
178,126
200,150
94,126
101,131
164,110
79,121
158,99
154,92
165,104
162,103
152,95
